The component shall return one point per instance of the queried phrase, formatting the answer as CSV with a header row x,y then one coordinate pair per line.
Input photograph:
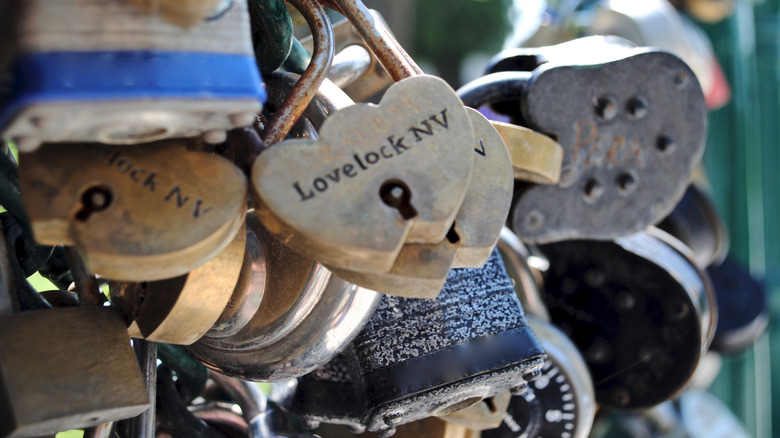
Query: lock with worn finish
x,y
378,159
140,213
182,309
74,348
417,358
638,308
470,343
106,71
420,270
616,111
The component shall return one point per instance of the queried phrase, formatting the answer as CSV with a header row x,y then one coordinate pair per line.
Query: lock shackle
x,y
390,54
311,79
495,87
515,256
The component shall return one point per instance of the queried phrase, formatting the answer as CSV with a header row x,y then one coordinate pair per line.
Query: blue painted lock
x,y
106,71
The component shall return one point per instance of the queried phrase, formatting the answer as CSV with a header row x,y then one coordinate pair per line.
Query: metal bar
x,y
387,50
303,91
87,287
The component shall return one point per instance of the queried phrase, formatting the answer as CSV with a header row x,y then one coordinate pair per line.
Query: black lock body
x,y
640,311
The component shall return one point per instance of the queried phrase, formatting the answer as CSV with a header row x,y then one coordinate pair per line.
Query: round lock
x,y
639,310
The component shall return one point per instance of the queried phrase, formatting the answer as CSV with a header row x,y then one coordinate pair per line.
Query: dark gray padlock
x,y
631,121
638,308
421,357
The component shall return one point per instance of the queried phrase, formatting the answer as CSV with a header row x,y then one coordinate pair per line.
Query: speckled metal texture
x,y
418,357
473,303
632,123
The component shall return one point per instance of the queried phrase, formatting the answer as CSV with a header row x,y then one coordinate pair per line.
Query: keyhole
x,y
94,199
395,194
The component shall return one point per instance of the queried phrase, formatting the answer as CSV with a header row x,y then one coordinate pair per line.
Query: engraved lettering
x,y
113,158
180,201
364,160
481,151
578,139
617,145
360,163
320,184
372,157
150,182
124,165
334,176
134,174
349,170
382,151
397,144
416,131
445,124
196,213
304,197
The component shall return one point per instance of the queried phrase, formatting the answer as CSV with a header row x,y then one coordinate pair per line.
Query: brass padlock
x,y
181,309
420,270
135,214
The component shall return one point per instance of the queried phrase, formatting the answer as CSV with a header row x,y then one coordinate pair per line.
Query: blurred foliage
x,y
447,32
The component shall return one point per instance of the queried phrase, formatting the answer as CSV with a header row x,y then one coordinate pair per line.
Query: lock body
x,y
81,373
638,308
88,71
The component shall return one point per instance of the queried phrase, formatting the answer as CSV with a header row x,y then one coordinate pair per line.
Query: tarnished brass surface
x,y
420,270
66,369
180,310
487,414
535,157
149,212
489,196
324,198
184,13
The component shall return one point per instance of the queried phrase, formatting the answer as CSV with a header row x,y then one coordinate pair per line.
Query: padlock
x,y
182,309
306,316
75,348
364,156
420,270
185,13
638,308
417,357
628,154
373,79
135,214
374,159
106,71
561,402
696,223
743,309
